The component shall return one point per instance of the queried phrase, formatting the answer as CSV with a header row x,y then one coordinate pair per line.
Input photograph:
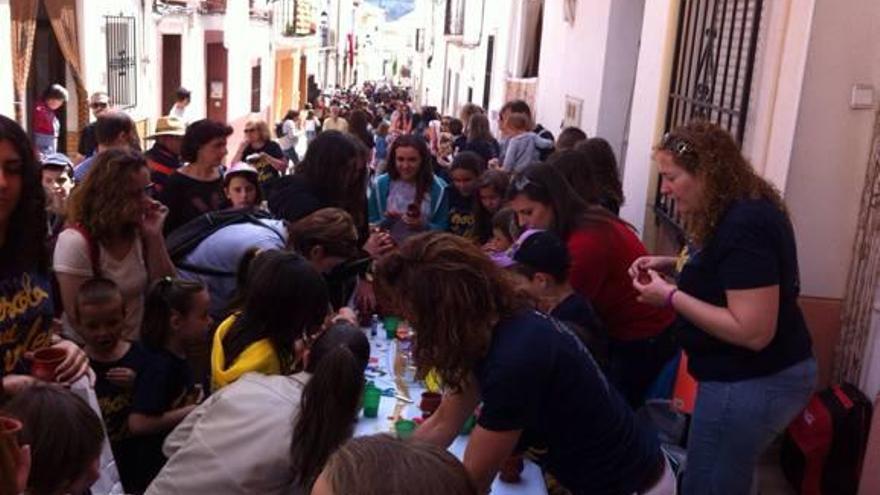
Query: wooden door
x,y
217,88
170,70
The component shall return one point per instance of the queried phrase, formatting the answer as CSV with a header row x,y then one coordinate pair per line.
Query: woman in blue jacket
x,y
408,198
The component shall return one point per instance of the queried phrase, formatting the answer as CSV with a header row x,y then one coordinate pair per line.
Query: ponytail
x,y
330,401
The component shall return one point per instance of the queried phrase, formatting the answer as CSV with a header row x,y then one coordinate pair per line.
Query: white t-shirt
x,y
289,139
180,113
130,274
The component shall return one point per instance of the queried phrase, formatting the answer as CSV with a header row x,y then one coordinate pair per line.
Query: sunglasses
x,y
98,105
520,182
250,130
678,146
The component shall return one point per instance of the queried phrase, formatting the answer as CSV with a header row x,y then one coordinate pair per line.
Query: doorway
x,y
48,67
171,79
216,71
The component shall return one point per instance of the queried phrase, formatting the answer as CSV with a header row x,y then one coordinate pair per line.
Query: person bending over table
x,y
536,380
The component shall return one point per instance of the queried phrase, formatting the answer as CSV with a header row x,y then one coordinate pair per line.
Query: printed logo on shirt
x,y
25,317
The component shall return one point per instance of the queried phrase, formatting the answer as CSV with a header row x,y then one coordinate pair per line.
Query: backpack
x,y
186,238
279,129
823,448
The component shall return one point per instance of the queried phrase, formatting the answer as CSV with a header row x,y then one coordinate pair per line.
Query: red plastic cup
x,y
430,402
46,361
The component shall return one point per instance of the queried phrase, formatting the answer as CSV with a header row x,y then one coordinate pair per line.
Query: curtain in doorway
x,y
62,16
531,31
864,274
24,27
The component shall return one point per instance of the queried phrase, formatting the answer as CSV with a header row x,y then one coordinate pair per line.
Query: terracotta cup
x,y
430,402
9,453
46,361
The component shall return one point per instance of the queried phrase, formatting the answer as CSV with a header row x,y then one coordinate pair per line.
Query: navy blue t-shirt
x,y
166,383
461,214
576,311
753,246
116,403
538,377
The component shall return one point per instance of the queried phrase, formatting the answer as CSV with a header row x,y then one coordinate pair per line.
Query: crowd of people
x,y
214,305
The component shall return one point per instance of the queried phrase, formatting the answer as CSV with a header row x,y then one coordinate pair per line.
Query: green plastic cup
x,y
404,428
468,425
391,323
372,395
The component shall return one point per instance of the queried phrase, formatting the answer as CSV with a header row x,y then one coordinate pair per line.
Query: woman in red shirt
x,y
602,247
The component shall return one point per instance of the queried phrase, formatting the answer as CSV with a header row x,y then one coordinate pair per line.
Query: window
x,y
455,10
255,87
711,73
121,60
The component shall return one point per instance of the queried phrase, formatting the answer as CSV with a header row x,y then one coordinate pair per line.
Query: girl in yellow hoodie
x,y
285,300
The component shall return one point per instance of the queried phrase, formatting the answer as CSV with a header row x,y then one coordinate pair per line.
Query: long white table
x,y
380,372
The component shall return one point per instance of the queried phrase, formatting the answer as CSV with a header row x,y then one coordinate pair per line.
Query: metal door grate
x,y
712,72
121,60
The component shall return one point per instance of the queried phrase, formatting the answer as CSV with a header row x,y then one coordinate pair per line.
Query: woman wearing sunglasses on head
x,y
259,150
736,298
115,231
602,248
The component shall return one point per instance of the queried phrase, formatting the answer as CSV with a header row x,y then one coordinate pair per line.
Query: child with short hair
x,y
541,260
64,435
464,172
241,184
524,146
100,318
491,188
175,316
504,231
456,128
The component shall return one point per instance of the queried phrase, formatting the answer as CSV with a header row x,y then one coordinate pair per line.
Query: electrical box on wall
x,y
862,97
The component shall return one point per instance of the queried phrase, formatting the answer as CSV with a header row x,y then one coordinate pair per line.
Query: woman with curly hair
x,y
25,287
537,382
736,298
115,232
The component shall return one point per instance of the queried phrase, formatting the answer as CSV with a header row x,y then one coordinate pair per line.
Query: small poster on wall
x,y
573,108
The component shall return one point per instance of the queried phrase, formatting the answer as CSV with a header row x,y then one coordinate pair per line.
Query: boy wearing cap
x,y
164,157
542,262
55,169
241,183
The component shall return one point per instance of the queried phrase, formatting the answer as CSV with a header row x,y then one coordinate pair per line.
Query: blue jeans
x,y
734,422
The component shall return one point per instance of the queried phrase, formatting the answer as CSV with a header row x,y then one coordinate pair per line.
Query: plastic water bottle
x,y
374,325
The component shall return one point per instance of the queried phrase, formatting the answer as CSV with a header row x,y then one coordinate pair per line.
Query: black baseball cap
x,y
543,251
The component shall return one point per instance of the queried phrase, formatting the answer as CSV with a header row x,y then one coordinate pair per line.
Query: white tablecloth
x,y
380,372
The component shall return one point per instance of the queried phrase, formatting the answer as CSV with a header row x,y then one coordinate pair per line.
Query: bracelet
x,y
669,297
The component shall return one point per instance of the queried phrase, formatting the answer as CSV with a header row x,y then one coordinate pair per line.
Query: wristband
x,y
669,297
